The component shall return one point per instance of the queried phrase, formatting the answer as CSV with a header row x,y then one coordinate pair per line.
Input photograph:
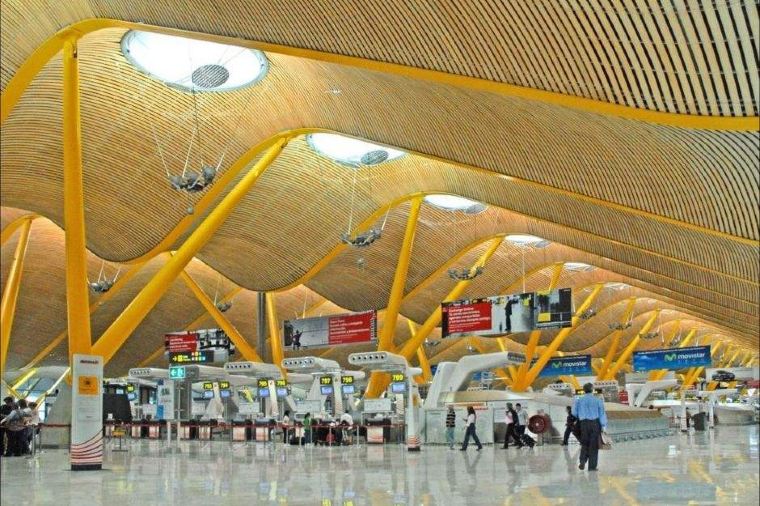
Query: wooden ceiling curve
x,y
618,134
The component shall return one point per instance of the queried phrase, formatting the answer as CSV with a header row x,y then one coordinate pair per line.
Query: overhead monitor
x,y
224,394
350,328
507,314
349,389
398,388
264,392
326,390
208,394
132,396
282,392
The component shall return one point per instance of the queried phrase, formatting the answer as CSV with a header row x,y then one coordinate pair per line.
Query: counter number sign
x,y
281,383
263,383
325,380
347,380
397,377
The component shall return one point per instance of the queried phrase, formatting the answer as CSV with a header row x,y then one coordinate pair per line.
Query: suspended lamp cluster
x,y
465,274
362,240
588,314
619,326
103,284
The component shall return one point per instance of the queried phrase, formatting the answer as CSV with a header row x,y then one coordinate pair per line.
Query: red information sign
x,y
348,328
469,317
351,328
185,342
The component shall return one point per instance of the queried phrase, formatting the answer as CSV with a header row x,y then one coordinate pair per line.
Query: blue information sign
x,y
176,372
579,365
673,359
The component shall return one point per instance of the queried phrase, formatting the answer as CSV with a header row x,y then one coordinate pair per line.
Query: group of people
x,y
315,432
18,425
586,420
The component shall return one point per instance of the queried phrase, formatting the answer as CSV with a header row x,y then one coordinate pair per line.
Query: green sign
x,y
177,372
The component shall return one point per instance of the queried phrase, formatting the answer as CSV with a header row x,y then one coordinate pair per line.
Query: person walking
x,y
522,423
470,430
593,421
286,427
569,426
511,432
451,424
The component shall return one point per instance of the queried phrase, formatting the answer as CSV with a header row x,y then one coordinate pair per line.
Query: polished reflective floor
x,y
719,467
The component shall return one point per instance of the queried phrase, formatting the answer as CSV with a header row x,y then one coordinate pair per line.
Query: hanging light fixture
x,y
465,274
103,284
619,326
362,240
588,314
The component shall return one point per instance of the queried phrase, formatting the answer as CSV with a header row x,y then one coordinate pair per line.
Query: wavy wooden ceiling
x,y
671,211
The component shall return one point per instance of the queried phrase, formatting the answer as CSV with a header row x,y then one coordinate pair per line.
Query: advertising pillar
x,y
87,413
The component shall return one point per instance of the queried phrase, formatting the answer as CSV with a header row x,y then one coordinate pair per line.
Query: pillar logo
x,y
670,357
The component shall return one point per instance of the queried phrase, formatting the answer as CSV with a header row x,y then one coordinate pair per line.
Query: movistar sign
x,y
674,359
560,366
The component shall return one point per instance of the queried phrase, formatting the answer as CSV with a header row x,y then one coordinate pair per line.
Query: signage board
x,y
281,383
397,377
567,366
673,358
325,380
207,385
507,314
738,374
262,383
87,413
350,328
165,400
181,342
224,385
195,357
177,372
347,380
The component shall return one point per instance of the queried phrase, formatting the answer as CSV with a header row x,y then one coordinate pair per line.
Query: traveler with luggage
x,y
470,430
593,421
570,426
511,430
522,423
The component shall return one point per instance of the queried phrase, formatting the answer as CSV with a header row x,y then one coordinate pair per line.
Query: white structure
x,y
317,368
383,361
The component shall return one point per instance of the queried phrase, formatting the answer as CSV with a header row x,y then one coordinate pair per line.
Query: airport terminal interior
x,y
400,252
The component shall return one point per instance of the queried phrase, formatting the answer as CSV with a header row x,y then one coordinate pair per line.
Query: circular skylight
x,y
350,151
454,203
191,64
578,266
528,240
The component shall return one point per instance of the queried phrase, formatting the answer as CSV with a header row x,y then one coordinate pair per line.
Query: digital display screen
x,y
282,392
281,383
263,392
130,388
208,386
132,396
398,388
326,390
325,380
348,389
208,394
195,357
224,385
263,383
347,380
119,391
224,394
397,377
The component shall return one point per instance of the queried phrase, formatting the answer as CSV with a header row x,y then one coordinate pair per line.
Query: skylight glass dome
x,y
578,266
193,65
350,151
528,240
455,203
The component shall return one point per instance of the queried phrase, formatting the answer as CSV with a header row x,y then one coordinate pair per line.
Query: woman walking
x,y
470,430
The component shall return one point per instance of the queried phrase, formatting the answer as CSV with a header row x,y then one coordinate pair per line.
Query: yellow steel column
x,y
535,335
11,227
275,340
10,293
607,361
245,349
658,375
733,357
135,312
623,358
77,296
549,351
385,340
427,373
410,347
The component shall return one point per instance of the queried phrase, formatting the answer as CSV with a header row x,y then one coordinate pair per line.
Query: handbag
x,y
605,441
